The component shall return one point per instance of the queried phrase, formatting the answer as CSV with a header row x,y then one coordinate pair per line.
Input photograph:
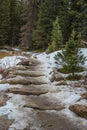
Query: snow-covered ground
x,y
9,61
49,60
12,108
14,111
66,94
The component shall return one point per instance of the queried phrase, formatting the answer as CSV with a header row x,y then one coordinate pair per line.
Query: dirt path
x,y
32,106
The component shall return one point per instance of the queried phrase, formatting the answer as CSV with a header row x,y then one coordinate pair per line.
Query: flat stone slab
x,y
42,87
29,73
43,103
5,122
29,62
53,121
25,81
24,68
33,68
29,91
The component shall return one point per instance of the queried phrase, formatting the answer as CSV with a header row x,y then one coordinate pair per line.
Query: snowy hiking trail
x,y
31,104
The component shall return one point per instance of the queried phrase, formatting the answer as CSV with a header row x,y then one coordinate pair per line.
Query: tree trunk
x,y
26,34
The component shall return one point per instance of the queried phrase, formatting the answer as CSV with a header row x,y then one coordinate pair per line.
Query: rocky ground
x,y
27,102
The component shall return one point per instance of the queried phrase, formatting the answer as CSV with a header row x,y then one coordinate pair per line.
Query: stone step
x,y
25,81
52,121
29,73
23,91
34,68
43,87
43,103
29,62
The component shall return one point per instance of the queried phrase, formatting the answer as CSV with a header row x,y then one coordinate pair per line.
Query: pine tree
x,y
56,38
71,57
15,21
48,11
10,21
84,23
4,21
71,16
19,20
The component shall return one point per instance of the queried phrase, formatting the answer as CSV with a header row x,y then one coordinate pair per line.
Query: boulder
x,y
63,82
84,95
80,110
3,100
56,77
5,122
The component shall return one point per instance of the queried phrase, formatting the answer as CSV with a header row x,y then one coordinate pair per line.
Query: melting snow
x,y
65,94
9,61
68,95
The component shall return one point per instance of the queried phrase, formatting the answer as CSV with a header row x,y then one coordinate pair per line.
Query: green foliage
x,y
16,20
72,14
71,58
47,13
84,23
10,21
51,47
75,78
4,21
56,37
67,70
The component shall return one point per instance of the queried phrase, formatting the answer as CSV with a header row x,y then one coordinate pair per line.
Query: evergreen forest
x,y
41,24
43,64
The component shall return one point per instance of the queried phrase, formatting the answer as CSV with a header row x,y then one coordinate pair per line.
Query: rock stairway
x,y
28,91
29,81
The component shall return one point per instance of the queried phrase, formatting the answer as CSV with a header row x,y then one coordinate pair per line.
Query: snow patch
x,y
3,87
15,110
68,94
10,61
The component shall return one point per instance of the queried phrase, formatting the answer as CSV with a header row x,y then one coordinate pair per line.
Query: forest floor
x,y
30,101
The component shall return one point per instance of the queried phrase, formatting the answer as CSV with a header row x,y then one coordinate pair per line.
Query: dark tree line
x,y
30,22
10,21
72,15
